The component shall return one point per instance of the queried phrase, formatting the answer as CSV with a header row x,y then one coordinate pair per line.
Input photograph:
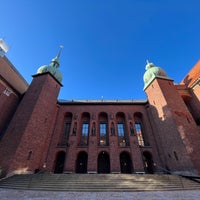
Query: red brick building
x,y
157,135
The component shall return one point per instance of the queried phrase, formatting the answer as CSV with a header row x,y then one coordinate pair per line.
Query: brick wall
x,y
9,100
25,143
93,149
175,128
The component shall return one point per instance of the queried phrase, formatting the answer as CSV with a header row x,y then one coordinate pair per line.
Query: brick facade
x,y
176,128
150,136
26,140
114,148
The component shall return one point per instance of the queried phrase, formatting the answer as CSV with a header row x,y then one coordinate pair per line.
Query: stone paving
x,y
9,194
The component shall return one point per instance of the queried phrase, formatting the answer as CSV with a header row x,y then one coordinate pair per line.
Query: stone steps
x,y
98,182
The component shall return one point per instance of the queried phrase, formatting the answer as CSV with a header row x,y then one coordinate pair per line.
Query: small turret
x,y
153,71
52,68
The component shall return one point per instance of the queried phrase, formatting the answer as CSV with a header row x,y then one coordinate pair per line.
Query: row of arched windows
x,y
103,126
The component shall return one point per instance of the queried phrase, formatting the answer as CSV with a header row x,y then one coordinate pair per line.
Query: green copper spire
x,y
52,67
151,73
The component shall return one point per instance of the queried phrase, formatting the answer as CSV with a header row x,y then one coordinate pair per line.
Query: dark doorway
x,y
81,163
125,163
103,163
148,163
60,163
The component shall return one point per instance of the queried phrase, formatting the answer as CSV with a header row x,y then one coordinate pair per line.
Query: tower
x,y
26,141
175,131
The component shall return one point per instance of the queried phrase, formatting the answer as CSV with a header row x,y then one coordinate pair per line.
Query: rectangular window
x,y
120,128
85,129
66,133
121,135
85,133
103,134
138,129
102,129
67,129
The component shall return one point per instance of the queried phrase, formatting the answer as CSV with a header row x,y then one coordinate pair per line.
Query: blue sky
x,y
106,42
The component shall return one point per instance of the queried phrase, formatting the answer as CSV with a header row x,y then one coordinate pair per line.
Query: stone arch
x,y
138,116
59,162
125,163
68,116
103,116
120,117
148,162
81,162
85,116
103,163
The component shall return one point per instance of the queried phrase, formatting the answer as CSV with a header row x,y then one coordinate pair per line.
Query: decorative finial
x,y
3,48
52,67
149,65
61,47
55,62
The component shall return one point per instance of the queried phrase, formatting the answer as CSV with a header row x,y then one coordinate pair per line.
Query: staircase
x,y
98,182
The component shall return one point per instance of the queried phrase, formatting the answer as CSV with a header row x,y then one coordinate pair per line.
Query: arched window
x,y
139,129
67,128
121,129
85,128
103,129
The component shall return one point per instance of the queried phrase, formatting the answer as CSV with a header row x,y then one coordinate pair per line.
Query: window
x,y
138,129
66,133
102,129
103,134
7,92
85,129
67,129
120,128
85,133
121,135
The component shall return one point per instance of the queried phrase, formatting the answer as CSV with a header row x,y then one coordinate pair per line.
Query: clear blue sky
x,y
107,42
